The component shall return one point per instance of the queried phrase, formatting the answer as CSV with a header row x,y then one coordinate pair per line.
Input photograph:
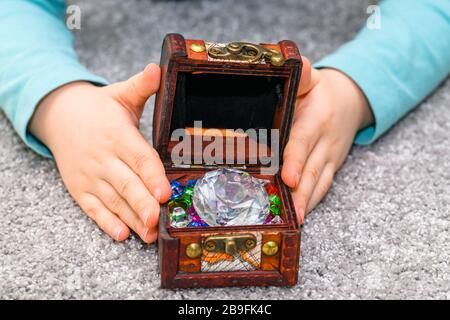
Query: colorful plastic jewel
x,y
177,189
175,184
271,189
191,183
191,211
188,191
194,224
187,195
276,220
178,214
237,196
268,218
274,209
177,203
274,199
179,218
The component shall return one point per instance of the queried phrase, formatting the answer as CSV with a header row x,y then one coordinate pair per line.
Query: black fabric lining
x,y
226,101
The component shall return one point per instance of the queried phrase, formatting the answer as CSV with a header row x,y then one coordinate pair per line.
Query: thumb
x,y
134,92
309,78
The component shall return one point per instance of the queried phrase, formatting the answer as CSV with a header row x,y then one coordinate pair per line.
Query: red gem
x,y
271,189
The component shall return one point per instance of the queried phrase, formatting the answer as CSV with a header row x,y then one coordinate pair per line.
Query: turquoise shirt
x,y
396,66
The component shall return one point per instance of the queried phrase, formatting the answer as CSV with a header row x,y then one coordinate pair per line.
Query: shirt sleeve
x,y
399,64
36,57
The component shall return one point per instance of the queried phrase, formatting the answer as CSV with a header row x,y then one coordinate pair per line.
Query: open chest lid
x,y
224,104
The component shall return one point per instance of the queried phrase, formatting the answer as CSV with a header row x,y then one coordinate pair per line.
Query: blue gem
x,y
191,183
194,224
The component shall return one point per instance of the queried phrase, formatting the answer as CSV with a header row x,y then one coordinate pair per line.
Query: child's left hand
x,y
330,110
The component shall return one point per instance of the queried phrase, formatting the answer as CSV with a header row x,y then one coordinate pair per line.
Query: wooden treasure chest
x,y
222,112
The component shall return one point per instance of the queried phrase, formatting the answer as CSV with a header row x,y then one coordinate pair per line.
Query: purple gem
x,y
276,220
268,218
191,211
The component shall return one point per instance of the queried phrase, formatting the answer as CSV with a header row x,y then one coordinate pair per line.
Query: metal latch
x,y
230,244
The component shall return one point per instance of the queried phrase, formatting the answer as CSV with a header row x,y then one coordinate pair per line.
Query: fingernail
x,y
117,232
145,234
157,194
296,179
301,213
146,216
148,67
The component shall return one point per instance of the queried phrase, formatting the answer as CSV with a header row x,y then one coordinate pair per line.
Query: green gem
x,y
187,201
179,202
274,209
178,214
189,191
274,199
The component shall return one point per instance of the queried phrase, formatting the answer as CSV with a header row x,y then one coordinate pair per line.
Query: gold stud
x,y
197,47
193,250
277,60
270,248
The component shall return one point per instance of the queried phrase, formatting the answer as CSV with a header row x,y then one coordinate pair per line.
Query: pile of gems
x,y
224,197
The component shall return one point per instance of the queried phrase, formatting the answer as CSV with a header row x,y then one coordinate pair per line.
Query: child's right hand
x,y
106,164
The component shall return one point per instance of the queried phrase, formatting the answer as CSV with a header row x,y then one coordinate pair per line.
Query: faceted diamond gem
x,y
230,197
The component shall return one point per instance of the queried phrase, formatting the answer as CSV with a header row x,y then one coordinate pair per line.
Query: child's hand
x,y
330,110
108,167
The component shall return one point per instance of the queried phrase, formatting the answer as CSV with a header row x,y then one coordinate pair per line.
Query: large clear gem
x,y
230,197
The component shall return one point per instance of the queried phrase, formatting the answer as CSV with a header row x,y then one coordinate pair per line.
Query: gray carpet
x,y
383,231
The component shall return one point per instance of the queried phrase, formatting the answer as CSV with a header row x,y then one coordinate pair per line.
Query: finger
x,y
303,138
145,162
105,219
134,92
310,77
131,188
310,177
322,186
152,235
116,204
305,79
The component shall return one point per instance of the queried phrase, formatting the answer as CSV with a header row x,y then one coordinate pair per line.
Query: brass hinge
x,y
246,51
